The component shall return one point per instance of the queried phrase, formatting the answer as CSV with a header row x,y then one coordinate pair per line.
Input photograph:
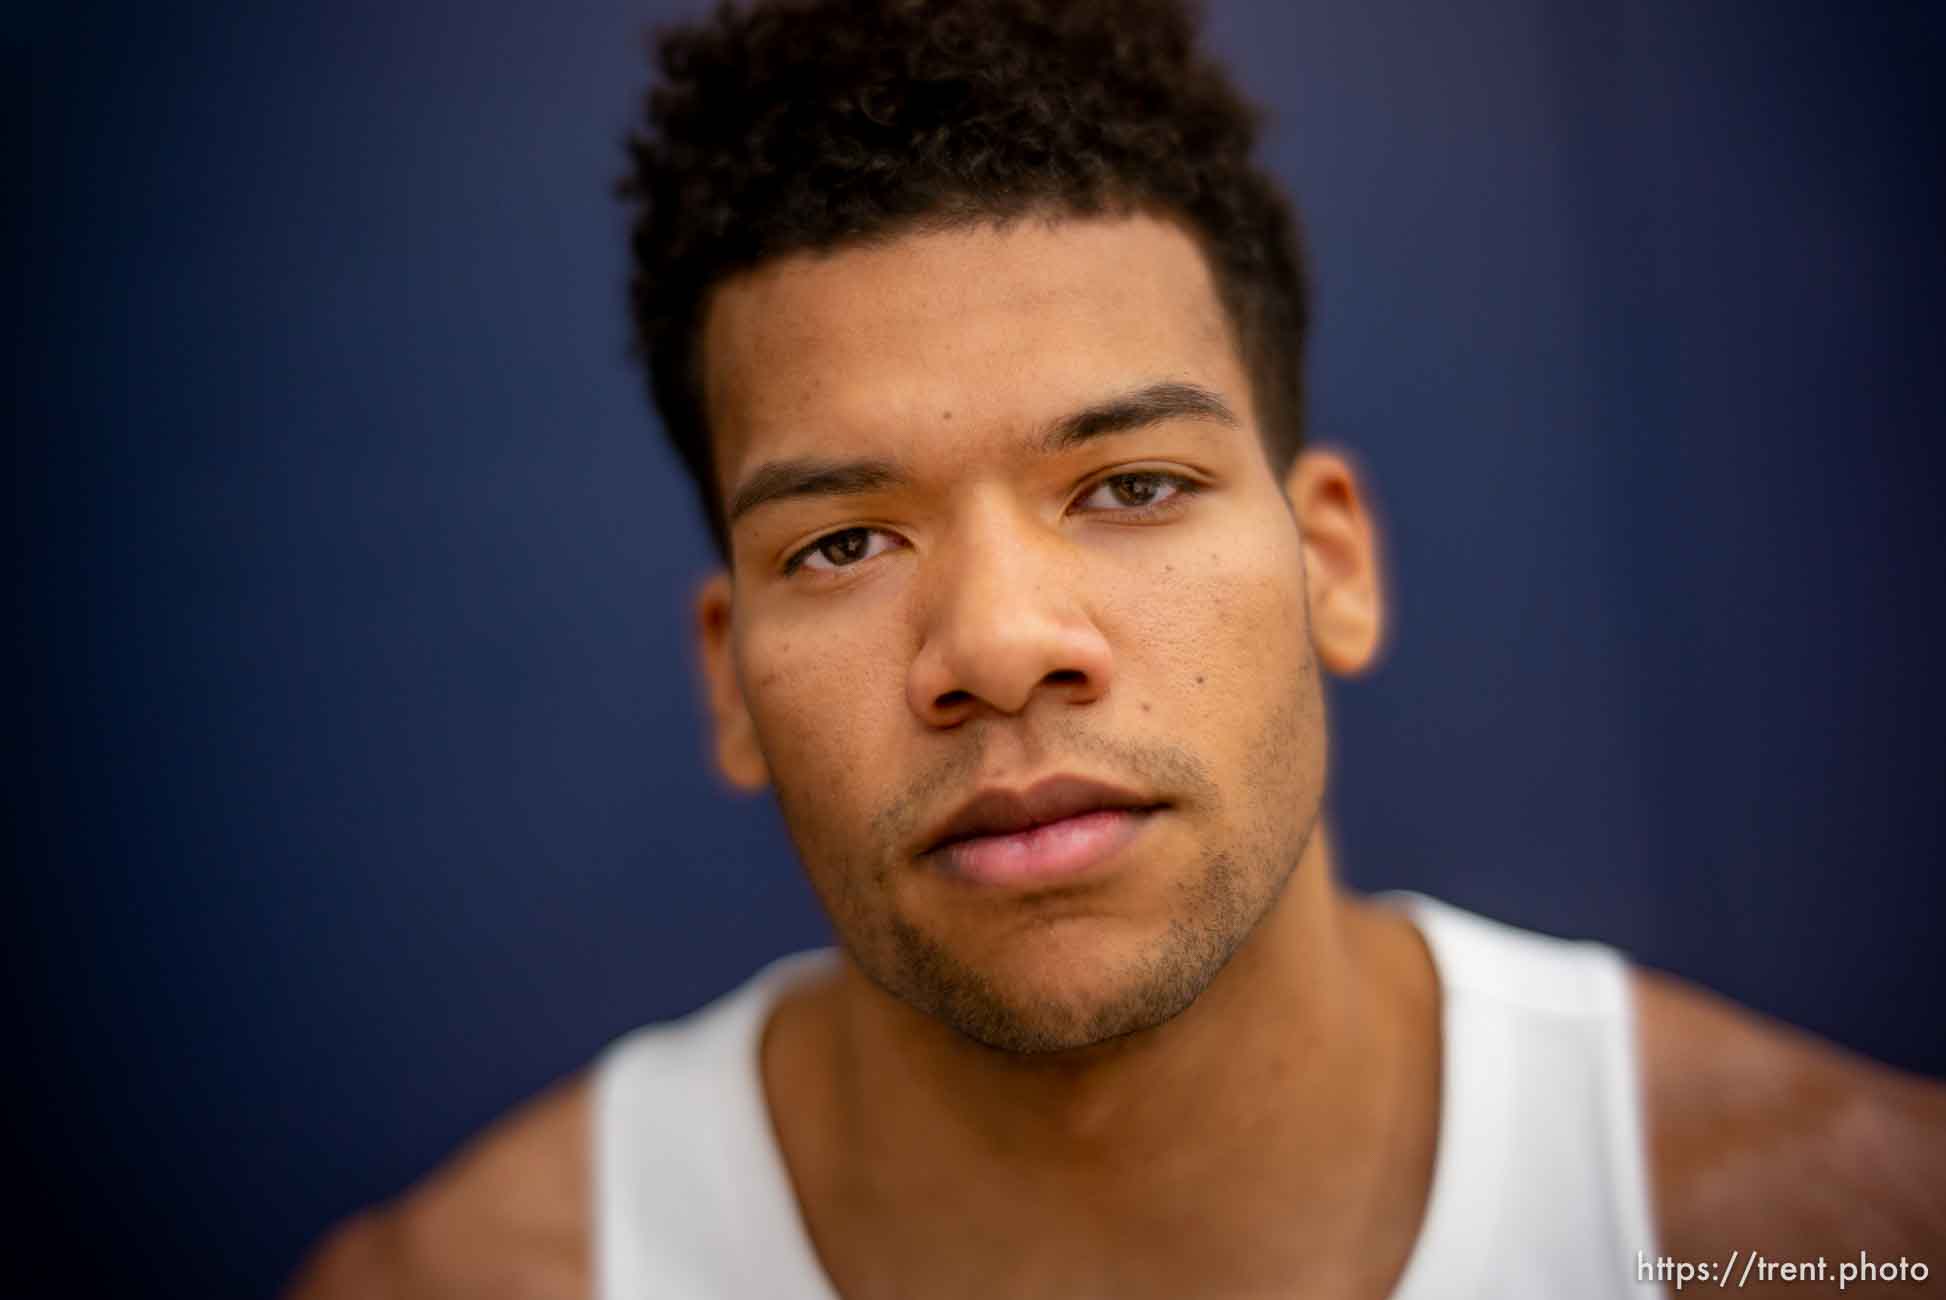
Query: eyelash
x,y
797,559
1182,489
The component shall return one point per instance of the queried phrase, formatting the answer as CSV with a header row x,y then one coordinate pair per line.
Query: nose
x,y
1005,624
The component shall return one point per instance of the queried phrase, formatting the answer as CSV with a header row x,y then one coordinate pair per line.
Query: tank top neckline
x,y
1446,1259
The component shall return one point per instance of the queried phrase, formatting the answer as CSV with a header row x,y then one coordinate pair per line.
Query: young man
x,y
981,334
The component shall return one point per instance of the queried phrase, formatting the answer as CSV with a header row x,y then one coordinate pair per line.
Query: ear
x,y
1341,565
738,756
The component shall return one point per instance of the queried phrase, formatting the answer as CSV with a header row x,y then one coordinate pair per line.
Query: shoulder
x,y
507,1215
1764,1138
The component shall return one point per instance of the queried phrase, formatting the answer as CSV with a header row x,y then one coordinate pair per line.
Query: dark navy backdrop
x,y
365,789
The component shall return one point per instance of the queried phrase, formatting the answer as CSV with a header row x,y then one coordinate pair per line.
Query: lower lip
x,y
1055,851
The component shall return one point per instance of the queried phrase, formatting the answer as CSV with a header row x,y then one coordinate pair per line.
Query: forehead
x,y
960,334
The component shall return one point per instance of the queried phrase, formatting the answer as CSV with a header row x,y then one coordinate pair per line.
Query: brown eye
x,y
1135,492
842,549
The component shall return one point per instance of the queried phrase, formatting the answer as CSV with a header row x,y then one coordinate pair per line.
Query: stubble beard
x,y
1151,991
1220,905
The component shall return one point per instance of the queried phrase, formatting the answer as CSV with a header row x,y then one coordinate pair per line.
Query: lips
x,y
1058,826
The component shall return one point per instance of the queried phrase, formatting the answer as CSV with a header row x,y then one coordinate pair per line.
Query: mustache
x,y
1166,772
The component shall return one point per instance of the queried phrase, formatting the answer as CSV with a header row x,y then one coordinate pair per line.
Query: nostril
x,y
1067,677
952,700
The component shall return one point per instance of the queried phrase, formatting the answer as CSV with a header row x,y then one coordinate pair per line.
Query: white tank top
x,y
1539,1186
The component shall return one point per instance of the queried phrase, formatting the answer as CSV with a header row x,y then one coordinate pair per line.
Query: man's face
x,y
1003,526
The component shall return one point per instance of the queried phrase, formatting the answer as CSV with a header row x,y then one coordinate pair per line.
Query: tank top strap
x,y
1539,1182
693,1200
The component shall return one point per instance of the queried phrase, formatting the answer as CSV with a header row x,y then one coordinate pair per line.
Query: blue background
x,y
364,786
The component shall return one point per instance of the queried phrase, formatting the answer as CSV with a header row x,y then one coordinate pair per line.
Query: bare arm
x,y
506,1216
1764,1138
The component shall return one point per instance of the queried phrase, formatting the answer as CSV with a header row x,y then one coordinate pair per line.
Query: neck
x,y
1285,1105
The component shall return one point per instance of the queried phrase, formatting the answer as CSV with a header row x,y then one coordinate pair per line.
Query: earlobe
x,y
1344,587
738,756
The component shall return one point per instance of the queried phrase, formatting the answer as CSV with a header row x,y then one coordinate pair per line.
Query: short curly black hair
x,y
799,125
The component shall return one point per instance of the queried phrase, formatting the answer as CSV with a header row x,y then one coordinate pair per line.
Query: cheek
x,y
1214,651
1221,620
819,701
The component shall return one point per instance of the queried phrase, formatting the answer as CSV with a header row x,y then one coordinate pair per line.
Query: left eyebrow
x,y
1127,412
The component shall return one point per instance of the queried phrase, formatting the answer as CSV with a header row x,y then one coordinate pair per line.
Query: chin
x,y
1063,987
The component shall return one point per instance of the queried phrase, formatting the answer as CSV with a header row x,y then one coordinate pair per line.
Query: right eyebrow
x,y
809,476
